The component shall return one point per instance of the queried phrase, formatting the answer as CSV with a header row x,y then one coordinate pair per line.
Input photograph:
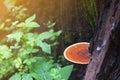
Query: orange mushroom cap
x,y
78,53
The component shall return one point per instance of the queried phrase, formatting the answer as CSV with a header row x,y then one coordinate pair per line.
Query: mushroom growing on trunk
x,y
78,53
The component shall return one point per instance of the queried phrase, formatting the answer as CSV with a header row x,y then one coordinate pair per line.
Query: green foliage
x,y
26,55
40,70
29,23
62,73
15,36
66,71
16,77
45,70
23,77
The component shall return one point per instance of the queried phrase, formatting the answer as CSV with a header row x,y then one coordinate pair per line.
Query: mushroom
x,y
78,53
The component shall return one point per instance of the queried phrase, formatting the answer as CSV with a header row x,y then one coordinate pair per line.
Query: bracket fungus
x,y
78,53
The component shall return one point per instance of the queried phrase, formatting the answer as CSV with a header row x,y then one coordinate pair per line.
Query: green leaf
x,y
35,75
29,22
27,77
16,77
45,47
66,71
45,35
18,62
30,37
15,36
35,50
30,19
32,24
40,69
49,34
58,33
22,24
29,61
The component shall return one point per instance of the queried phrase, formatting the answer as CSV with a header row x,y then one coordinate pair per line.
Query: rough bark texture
x,y
105,63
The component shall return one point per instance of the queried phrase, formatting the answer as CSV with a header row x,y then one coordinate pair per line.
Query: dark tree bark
x,y
105,49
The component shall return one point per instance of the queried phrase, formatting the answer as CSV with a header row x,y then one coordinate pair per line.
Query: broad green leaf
x,y
32,24
49,35
66,71
45,35
27,77
40,70
35,75
16,77
30,19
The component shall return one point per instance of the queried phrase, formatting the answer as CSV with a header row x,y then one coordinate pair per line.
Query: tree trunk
x,y
105,49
